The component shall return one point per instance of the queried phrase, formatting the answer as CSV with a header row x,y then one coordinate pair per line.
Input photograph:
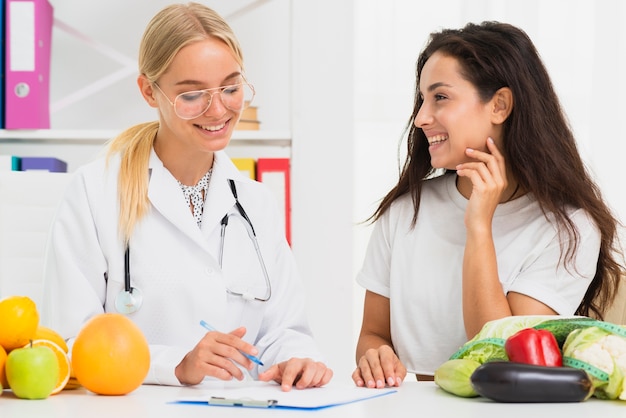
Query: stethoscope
x,y
130,299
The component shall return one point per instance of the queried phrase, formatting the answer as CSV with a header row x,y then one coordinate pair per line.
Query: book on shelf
x,y
249,120
248,125
43,164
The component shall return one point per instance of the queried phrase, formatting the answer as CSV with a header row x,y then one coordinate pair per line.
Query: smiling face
x,y
452,115
201,65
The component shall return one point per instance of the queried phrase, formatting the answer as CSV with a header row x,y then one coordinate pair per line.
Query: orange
x,y
19,318
63,360
3,373
110,355
45,333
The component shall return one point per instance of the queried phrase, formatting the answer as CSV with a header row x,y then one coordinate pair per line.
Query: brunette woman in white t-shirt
x,y
494,213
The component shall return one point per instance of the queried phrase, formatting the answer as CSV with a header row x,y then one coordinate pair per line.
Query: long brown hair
x,y
539,146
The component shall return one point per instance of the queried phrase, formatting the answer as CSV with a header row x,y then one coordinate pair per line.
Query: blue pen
x,y
253,358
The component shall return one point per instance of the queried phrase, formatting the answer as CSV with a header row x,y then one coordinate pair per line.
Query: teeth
x,y
213,128
437,139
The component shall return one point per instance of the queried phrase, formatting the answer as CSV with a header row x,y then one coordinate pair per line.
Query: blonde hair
x,y
171,29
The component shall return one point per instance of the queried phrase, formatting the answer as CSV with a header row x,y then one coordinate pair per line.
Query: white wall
x,y
323,136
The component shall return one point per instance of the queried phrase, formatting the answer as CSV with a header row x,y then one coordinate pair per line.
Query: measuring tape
x,y
612,328
584,323
592,370
467,347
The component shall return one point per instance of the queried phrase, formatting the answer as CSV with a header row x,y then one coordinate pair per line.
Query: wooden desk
x,y
412,399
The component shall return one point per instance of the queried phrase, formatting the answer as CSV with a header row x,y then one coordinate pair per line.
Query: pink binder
x,y
27,64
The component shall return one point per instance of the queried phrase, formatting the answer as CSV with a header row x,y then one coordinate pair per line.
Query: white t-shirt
x,y
420,269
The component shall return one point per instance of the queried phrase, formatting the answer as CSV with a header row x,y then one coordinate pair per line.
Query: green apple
x,y
32,372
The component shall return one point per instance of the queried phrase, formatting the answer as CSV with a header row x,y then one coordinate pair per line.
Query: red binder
x,y
274,172
27,64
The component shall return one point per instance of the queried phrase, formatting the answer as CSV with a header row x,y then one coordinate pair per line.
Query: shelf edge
x,y
102,136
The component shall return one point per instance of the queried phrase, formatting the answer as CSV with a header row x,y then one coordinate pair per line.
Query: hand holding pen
x,y
218,355
251,357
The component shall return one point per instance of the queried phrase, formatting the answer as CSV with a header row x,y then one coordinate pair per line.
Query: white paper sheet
x,y
312,398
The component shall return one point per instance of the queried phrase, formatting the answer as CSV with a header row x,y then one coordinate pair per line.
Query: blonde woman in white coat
x,y
129,212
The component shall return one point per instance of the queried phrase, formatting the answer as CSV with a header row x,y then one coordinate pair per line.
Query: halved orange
x,y
64,363
45,333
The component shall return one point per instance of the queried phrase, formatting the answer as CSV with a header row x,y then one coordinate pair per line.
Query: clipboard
x,y
249,403
270,395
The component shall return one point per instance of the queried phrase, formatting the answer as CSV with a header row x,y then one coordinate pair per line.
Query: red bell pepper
x,y
534,346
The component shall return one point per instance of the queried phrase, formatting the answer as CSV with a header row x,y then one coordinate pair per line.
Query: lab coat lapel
x,y
220,199
166,197
164,188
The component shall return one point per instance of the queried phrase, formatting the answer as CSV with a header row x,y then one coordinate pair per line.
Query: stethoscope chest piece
x,y
129,301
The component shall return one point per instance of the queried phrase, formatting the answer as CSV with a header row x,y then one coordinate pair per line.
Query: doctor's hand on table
x,y
299,372
379,368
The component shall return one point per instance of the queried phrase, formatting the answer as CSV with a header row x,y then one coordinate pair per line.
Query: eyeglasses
x,y
191,104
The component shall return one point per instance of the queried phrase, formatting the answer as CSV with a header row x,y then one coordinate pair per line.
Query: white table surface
x,y
412,399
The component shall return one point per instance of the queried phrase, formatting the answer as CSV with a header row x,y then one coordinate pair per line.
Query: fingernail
x,y
370,383
490,139
379,383
390,381
470,150
359,383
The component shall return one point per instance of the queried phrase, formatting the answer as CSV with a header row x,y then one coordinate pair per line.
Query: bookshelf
x,y
77,147
100,136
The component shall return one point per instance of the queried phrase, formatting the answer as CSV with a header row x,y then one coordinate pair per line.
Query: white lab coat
x,y
175,264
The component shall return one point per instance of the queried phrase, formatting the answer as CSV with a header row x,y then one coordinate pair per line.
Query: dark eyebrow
x,y
199,83
437,85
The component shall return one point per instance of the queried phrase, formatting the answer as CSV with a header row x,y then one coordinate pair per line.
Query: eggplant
x,y
506,381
